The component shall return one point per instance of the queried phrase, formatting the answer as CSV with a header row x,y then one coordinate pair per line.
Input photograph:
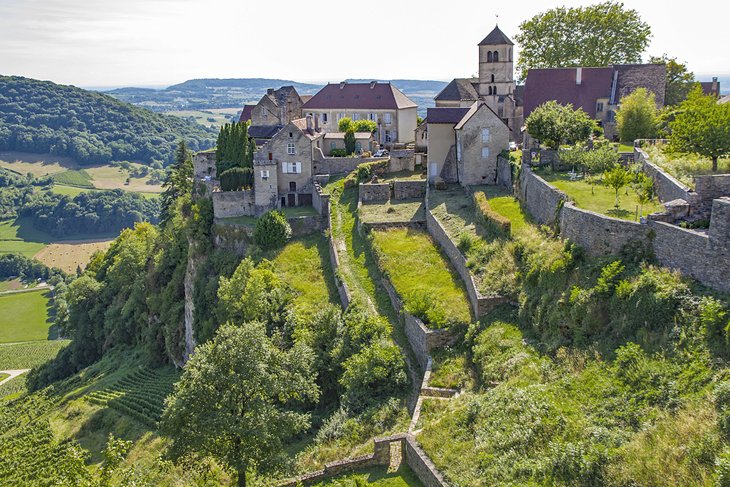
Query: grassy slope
x,y
24,316
414,264
600,198
304,264
376,477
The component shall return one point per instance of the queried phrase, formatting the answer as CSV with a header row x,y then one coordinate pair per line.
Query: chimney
x,y
342,84
316,122
309,124
372,84
715,88
578,75
270,91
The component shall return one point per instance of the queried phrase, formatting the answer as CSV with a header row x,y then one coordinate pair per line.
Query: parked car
x,y
513,146
381,153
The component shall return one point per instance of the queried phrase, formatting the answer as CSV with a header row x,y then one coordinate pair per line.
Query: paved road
x,y
12,373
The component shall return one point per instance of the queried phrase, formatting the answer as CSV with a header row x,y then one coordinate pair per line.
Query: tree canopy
x,y
90,127
702,126
235,399
595,35
680,79
637,116
554,124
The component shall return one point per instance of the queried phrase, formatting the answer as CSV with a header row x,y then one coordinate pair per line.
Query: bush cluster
x,y
272,230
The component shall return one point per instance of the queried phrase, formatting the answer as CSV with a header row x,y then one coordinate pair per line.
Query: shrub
x,y
365,171
236,179
421,305
338,153
272,230
494,222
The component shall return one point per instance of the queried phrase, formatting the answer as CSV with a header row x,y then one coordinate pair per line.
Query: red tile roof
x,y
246,113
559,84
359,96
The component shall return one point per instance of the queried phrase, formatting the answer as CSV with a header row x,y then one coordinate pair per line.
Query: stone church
x,y
495,85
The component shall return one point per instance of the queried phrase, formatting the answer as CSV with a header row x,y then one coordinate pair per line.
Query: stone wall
x,y
374,191
339,165
402,160
667,187
228,204
408,189
204,164
702,256
233,238
540,199
504,172
342,289
320,200
599,234
410,452
421,465
304,225
420,337
711,187
480,305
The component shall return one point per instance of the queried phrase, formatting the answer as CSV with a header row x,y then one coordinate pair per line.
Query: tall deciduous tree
x,y
179,180
637,116
702,126
596,35
679,79
554,124
234,400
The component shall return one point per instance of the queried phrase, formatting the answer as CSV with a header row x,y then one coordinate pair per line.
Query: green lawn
x,y
295,211
393,211
591,194
503,202
404,175
415,266
74,177
24,316
376,477
237,220
454,209
19,236
3,376
305,265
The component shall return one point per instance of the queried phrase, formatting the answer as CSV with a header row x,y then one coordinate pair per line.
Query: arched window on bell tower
x,y
490,90
489,57
492,78
495,56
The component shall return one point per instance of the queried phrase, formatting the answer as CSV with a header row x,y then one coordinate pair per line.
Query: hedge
x,y
496,223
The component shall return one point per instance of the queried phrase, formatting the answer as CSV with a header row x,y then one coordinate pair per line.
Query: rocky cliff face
x,y
193,262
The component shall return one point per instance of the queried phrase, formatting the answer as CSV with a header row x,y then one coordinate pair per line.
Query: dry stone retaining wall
x,y
402,160
374,191
228,204
667,187
504,172
712,186
704,257
340,165
409,189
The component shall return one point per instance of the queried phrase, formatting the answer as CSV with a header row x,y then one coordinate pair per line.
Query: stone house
x,y
275,109
464,143
495,85
598,91
283,166
383,103
364,142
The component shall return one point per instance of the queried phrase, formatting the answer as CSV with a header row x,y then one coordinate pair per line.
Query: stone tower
x,y
495,67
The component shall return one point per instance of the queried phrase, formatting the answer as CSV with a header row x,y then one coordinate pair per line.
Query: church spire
x,y
496,38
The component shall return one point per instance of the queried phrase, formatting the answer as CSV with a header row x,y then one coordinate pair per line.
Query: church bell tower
x,y
495,66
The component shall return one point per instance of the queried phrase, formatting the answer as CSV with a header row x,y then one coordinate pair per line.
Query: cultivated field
x,y
28,354
68,255
210,117
19,236
69,173
24,316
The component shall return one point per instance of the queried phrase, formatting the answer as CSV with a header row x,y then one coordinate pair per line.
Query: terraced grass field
x,y
24,316
415,266
305,265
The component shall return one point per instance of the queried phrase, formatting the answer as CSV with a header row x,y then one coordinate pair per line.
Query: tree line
x,y
90,127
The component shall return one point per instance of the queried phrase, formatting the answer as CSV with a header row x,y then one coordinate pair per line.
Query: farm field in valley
x,y
209,117
24,316
68,255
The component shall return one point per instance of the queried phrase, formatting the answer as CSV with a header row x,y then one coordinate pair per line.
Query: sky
x,y
104,43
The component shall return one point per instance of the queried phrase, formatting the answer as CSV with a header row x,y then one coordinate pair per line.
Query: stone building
x,y
598,91
383,103
283,166
495,85
276,108
464,143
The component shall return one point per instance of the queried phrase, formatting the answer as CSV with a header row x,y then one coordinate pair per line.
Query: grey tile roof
x,y
445,115
263,131
459,89
496,38
653,77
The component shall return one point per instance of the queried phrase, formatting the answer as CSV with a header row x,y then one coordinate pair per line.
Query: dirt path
x,y
13,373
29,290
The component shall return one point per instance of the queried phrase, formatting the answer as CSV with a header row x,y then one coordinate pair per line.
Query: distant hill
x,y
91,127
203,94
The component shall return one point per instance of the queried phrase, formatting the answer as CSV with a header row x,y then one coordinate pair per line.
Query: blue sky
x,y
160,42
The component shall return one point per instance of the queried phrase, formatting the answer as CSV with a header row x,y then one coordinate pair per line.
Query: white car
x,y
381,153
513,146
